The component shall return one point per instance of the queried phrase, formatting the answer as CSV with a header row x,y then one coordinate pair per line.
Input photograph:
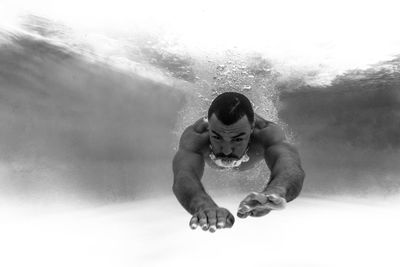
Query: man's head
x,y
231,122
229,107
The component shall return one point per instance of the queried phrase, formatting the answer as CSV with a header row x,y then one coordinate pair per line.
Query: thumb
x,y
274,198
254,199
277,201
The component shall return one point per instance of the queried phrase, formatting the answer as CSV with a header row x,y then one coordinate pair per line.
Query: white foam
x,y
310,232
300,37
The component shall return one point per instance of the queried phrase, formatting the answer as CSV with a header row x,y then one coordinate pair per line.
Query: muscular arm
x,y
188,169
282,158
287,176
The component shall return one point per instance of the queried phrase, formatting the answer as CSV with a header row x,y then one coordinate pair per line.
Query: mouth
x,y
227,162
227,159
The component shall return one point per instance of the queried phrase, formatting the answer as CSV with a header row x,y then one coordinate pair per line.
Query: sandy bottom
x,y
310,232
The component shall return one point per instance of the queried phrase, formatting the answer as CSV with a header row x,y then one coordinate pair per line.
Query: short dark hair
x,y
230,107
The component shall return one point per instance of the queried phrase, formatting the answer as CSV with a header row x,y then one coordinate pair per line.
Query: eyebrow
x,y
236,136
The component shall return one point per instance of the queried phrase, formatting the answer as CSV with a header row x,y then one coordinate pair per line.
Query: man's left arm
x,y
286,179
287,175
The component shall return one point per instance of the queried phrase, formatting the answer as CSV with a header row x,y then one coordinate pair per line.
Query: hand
x,y
260,204
212,219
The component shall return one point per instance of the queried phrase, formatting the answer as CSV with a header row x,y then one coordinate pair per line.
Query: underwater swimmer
x,y
234,137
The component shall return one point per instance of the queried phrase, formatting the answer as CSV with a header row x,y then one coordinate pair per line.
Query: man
x,y
236,138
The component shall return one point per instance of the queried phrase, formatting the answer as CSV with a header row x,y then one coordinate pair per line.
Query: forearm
x,y
286,182
191,194
287,175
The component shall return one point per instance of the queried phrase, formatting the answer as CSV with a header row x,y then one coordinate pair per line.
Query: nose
x,y
226,149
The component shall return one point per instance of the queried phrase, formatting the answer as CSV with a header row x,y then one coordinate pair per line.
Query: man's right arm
x,y
188,168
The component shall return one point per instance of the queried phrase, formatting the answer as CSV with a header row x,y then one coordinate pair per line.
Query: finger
x,y
253,200
203,221
278,202
274,202
259,212
194,222
244,208
261,198
270,206
243,212
252,204
248,198
212,228
212,220
221,219
243,215
274,198
230,220
225,219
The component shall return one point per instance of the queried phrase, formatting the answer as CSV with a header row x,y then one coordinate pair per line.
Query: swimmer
x,y
234,137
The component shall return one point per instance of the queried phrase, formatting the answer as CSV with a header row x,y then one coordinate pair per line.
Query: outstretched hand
x,y
212,219
255,204
260,204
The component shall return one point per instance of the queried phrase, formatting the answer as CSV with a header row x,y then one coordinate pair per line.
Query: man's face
x,y
229,141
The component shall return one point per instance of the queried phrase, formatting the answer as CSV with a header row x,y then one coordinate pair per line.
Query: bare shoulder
x,y
195,137
267,133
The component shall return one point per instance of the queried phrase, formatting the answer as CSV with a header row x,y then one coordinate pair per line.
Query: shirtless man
x,y
236,138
